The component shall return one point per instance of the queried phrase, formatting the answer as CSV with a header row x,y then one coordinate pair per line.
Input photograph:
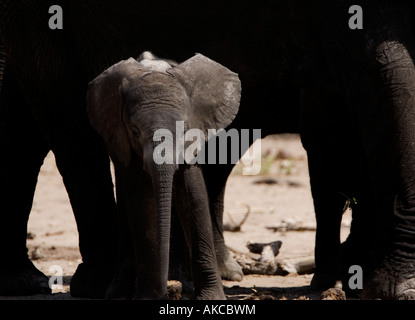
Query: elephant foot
x,y
187,287
322,281
229,269
177,272
90,281
390,281
122,286
218,296
23,280
211,293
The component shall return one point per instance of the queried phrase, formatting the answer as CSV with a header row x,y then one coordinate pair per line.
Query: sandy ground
x,y
280,192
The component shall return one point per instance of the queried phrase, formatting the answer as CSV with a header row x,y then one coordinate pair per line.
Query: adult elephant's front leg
x,y
325,162
329,206
84,165
389,133
23,149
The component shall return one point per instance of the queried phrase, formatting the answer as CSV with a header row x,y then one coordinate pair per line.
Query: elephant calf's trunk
x,y
162,177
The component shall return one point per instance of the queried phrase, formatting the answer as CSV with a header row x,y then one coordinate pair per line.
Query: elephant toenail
x,y
408,295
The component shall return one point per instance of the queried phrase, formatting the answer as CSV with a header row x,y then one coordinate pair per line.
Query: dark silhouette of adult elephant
x,y
357,94
359,132
42,108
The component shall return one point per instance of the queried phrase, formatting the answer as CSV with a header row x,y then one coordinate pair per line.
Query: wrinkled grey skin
x,y
127,104
42,108
358,105
359,134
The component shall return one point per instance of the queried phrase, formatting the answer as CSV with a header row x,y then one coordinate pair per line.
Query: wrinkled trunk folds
x,y
162,180
162,186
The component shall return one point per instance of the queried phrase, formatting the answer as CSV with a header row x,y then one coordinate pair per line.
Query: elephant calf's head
x,y
129,102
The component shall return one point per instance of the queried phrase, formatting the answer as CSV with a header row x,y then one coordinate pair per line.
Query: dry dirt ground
x,y
281,191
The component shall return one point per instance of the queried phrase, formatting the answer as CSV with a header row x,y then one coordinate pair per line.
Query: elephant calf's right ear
x,y
104,108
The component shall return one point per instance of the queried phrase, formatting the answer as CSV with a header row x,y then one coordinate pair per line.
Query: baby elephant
x,y
138,107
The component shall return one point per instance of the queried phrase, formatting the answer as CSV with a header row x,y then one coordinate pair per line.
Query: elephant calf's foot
x,y
391,281
229,269
23,280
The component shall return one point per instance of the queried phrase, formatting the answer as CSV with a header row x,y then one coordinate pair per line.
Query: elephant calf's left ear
x,y
215,92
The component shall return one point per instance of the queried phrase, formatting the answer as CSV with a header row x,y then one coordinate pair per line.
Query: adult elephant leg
x,y
23,150
193,208
85,167
356,250
379,78
329,207
329,203
216,177
391,155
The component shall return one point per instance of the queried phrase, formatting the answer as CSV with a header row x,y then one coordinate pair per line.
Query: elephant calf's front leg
x,y
216,177
193,209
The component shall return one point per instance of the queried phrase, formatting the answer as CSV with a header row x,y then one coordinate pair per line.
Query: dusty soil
x,y
280,192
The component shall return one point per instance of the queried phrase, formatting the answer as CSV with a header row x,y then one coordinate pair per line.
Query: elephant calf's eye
x,y
135,132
